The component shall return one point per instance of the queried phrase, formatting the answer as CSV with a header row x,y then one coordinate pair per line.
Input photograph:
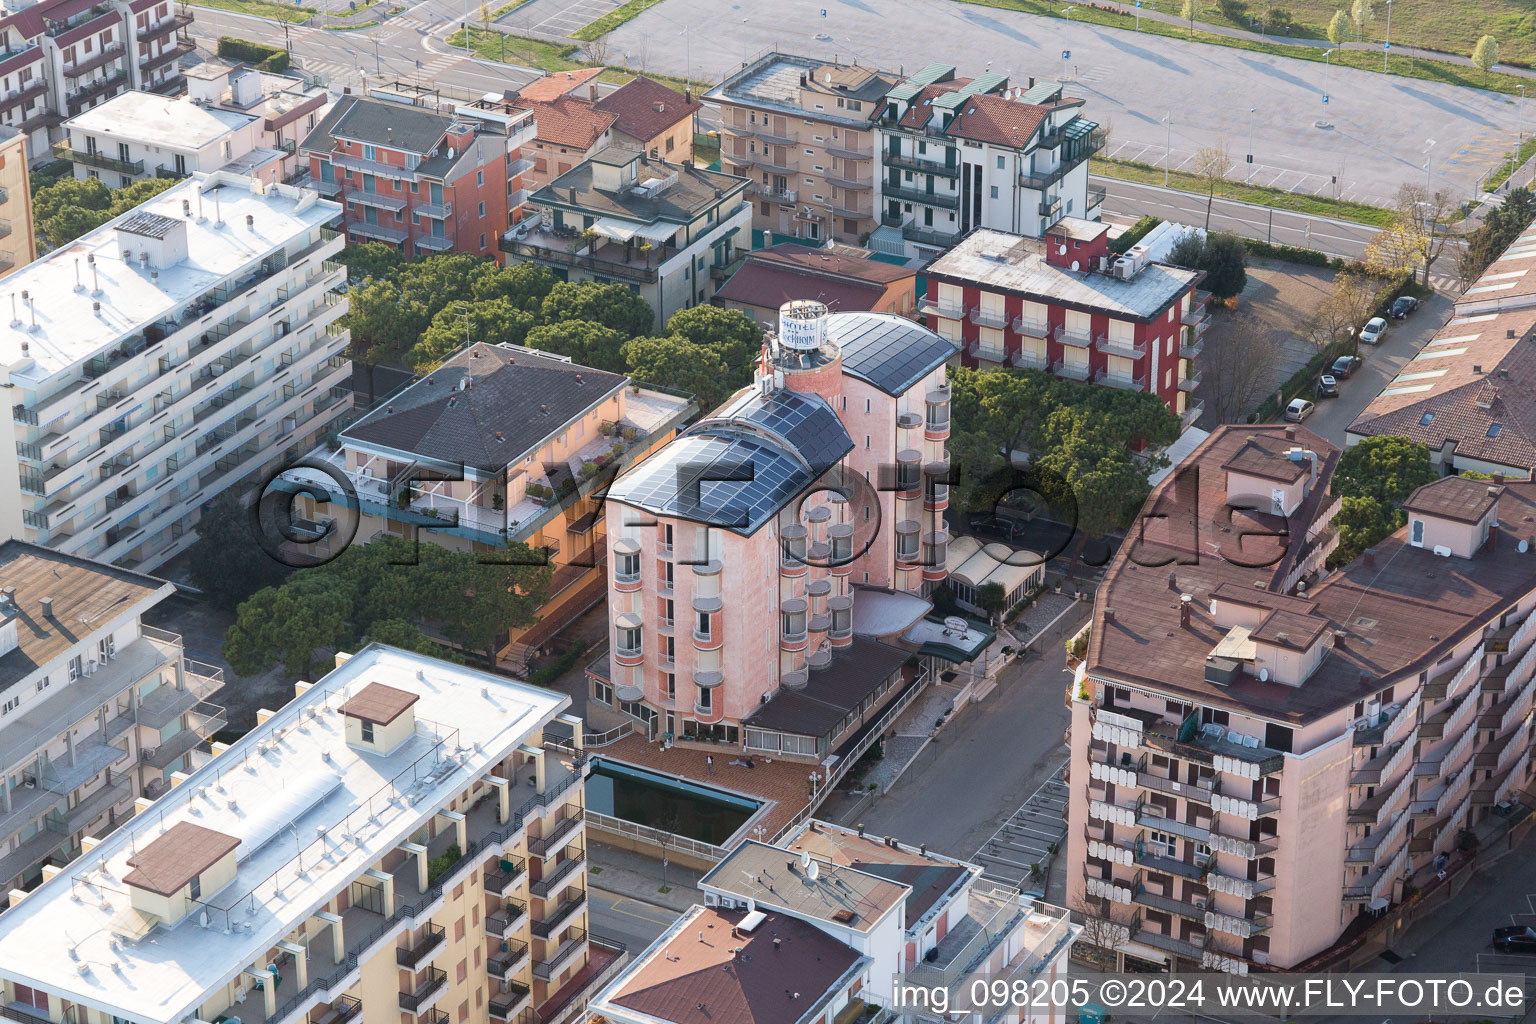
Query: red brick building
x,y
1066,304
421,180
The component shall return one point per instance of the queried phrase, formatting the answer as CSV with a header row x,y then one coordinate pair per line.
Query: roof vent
x,y
47,604
544,409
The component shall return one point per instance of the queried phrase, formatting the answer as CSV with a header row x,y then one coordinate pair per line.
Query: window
x,y
9,705
866,405
602,692
994,191
42,684
482,208
669,685
75,667
706,700
1160,844
670,144
106,647
702,629
999,163
479,177
196,892
367,732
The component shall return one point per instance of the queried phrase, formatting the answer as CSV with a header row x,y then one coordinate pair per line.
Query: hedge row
x,y
263,58
1135,233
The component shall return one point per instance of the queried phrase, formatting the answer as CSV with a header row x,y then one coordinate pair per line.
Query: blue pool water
x,y
660,801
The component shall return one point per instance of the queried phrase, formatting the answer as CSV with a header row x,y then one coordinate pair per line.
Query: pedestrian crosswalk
x,y
336,74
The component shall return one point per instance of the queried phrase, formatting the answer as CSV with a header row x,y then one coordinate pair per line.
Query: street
x,y
1271,103
941,799
634,921
1380,364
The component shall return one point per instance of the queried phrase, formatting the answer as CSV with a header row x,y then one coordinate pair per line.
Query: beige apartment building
x,y
18,240
96,709
403,841
1263,750
802,130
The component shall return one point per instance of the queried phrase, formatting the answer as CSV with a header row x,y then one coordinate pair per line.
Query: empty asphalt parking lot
x,y
1380,130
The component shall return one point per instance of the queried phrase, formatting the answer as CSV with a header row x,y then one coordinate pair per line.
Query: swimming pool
x,y
673,805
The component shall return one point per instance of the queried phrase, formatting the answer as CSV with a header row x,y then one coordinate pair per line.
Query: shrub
x,y
1135,233
558,666
264,58
438,865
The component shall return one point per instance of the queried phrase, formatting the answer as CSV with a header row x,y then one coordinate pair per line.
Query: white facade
x,y
148,374
141,135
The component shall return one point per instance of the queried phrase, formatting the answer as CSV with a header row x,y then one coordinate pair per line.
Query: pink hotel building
x,y
1264,750
739,550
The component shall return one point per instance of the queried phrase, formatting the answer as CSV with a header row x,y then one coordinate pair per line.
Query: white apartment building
x,y
97,710
140,135
287,108
165,357
819,928
60,57
958,154
402,841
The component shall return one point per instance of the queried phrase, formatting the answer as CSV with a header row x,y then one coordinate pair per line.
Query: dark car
x,y
1515,939
1002,527
1344,366
1404,305
1327,387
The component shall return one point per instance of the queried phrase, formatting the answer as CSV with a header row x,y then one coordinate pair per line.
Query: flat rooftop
x,y
693,974
293,774
1011,263
159,121
69,329
693,191
777,879
930,876
86,596
774,83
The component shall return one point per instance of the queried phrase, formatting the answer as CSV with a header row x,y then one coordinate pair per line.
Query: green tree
x,y
1485,55
1188,250
289,625
487,599
586,342
525,285
226,562
1363,522
1225,263
991,598
1362,13
492,322
69,208
377,260
409,637
1189,12
1338,28
612,305
681,364
1386,469
732,334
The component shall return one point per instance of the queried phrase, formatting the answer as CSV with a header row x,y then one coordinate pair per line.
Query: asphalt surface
x,y
636,922
1403,340
1379,131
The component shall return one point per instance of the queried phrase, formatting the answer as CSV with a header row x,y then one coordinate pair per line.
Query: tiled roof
x,y
705,972
569,121
1395,615
769,287
635,105
556,83
518,399
394,125
838,261
180,854
1263,455
379,704
996,120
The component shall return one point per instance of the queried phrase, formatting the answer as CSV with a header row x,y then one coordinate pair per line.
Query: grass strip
x,y
507,47
613,19
1364,60
263,9
1503,172
1260,195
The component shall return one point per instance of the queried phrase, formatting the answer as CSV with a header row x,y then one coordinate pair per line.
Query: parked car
x,y
1345,366
1373,330
1404,305
1518,938
1327,387
1298,410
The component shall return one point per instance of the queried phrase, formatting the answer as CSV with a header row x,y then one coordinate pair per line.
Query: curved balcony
x,y
841,532
939,467
820,623
710,641
710,714
908,550
628,652
707,679
818,514
909,421
936,495
626,580
796,679
710,568
909,480
818,588
793,638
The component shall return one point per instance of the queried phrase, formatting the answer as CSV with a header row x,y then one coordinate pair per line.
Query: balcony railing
x,y
508,871
1190,383
505,1004
505,962
1031,328
1120,381
506,918
97,159
544,845
989,318
433,938
947,201
557,874
920,166
1076,337
786,137
924,235
1072,371
573,900
429,986
556,961
1121,347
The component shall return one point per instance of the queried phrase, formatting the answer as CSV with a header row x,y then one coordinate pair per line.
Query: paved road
x,y
1379,129
636,922
1382,363
1125,201
942,799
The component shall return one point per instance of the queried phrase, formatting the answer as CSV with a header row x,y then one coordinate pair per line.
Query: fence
x,y
645,835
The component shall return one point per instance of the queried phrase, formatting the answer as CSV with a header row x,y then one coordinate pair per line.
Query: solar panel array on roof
x,y
890,352
732,481
805,421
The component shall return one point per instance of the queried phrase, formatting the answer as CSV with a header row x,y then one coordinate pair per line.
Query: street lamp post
x,y
1249,179
1167,147
1387,46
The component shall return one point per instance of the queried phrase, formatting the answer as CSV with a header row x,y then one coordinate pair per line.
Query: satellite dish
x,y
1076,265
1523,546
1263,675
813,871
805,859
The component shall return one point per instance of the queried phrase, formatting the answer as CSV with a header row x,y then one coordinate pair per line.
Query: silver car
x,y
1373,330
1298,410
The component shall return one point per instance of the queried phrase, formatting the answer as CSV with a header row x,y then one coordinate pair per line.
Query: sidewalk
x,y
626,873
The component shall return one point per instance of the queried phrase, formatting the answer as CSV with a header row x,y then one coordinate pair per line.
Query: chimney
x,y
1109,615
1338,639
922,849
1173,581
250,221
47,604
1368,556
860,827
1493,535
1290,433
592,92
776,944
1185,601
